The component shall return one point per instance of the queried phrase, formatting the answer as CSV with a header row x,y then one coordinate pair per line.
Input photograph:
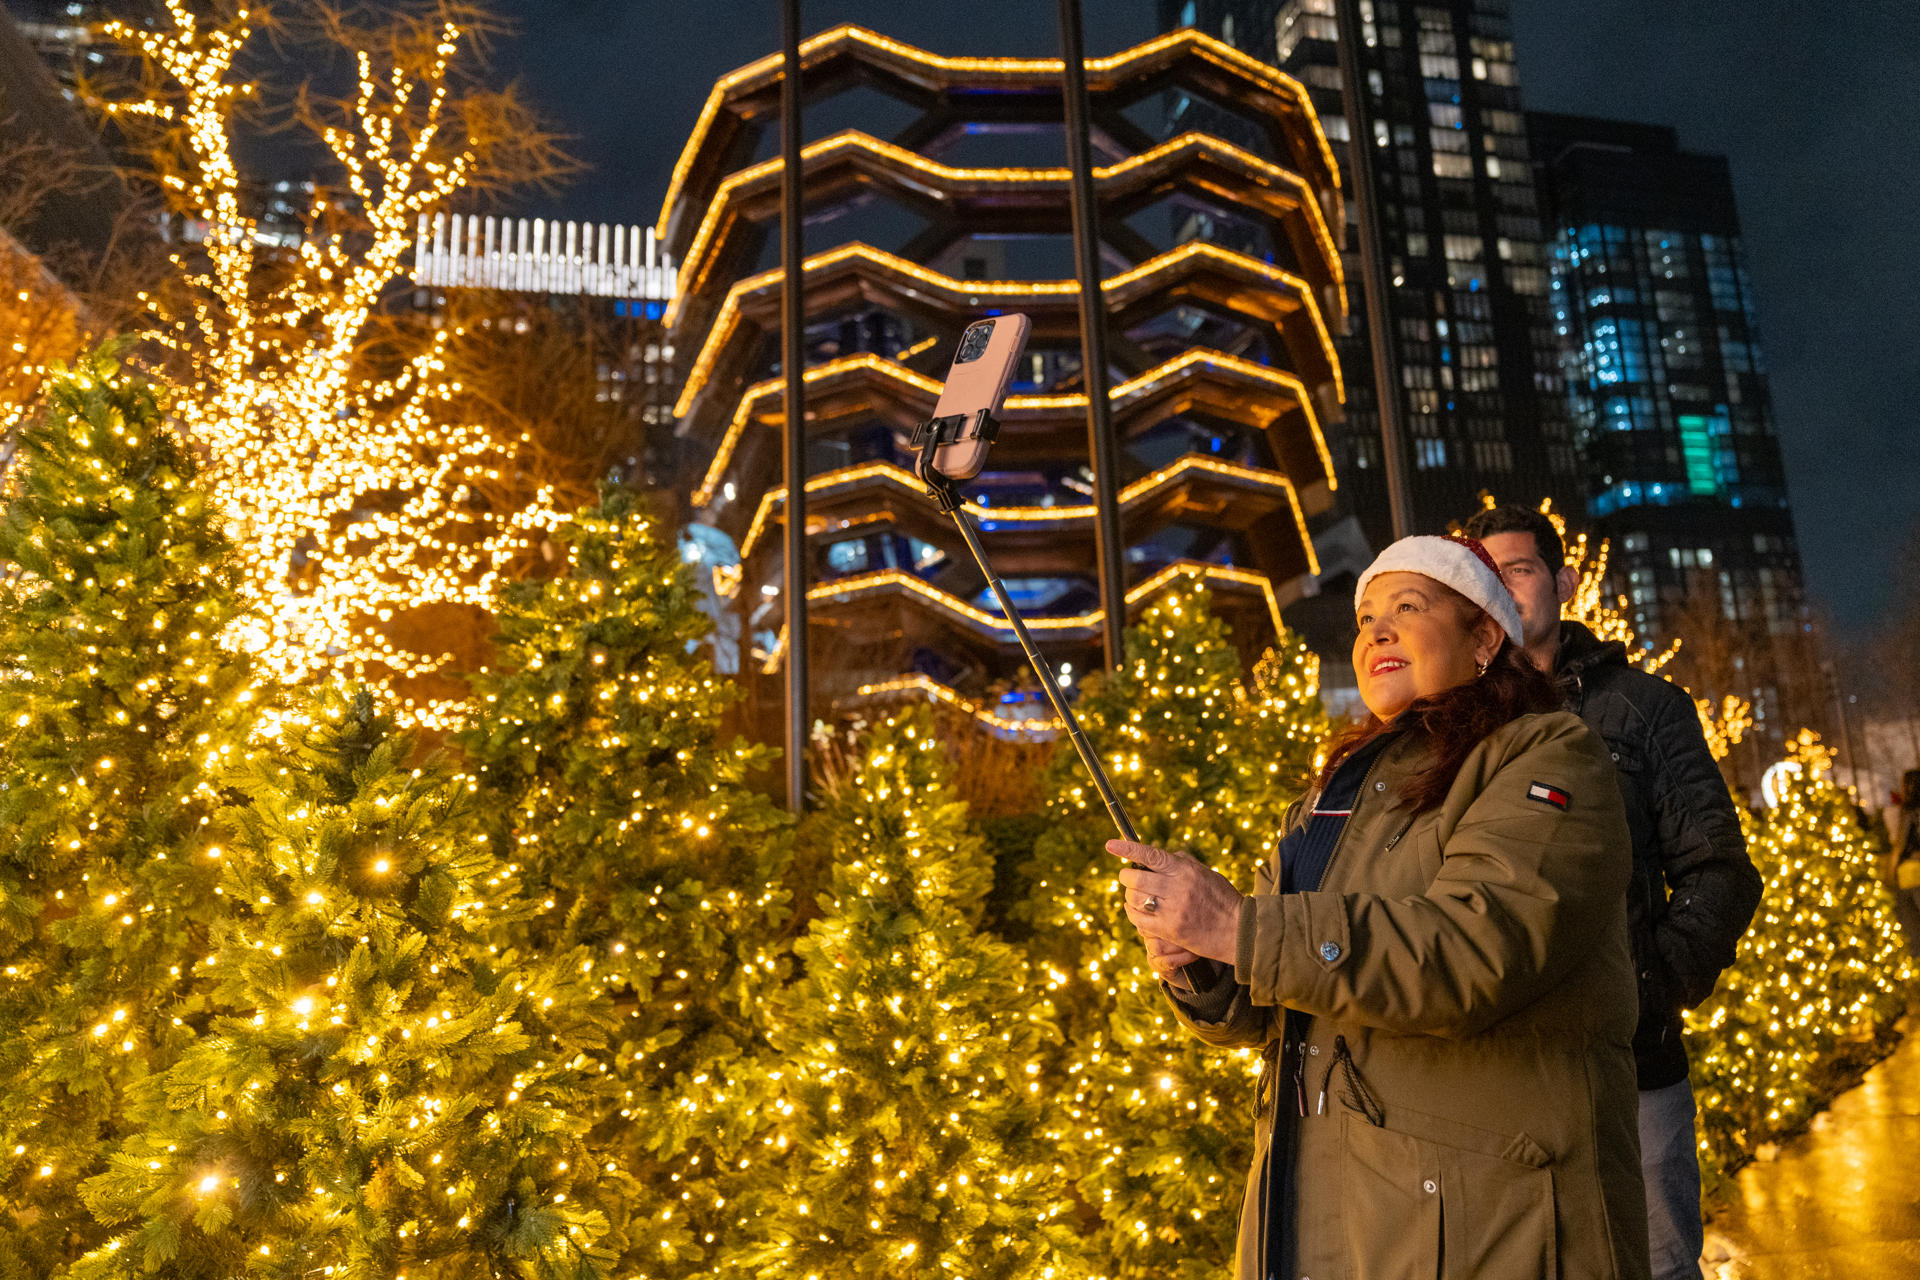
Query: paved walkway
x,y
1841,1201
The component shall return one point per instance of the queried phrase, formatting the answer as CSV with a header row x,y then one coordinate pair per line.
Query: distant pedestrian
x,y
1694,889
1903,860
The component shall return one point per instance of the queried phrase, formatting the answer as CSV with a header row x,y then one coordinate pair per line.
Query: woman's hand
x,y
1195,910
1168,960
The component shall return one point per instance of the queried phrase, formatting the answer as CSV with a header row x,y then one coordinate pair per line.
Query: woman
x,y
1435,964
1903,860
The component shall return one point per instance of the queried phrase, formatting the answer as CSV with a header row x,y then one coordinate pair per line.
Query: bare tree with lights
x,y
349,481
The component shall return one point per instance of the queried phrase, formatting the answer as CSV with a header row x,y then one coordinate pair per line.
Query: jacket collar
x,y
1581,651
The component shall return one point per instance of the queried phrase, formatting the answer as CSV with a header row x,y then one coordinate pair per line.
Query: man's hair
x,y
1509,518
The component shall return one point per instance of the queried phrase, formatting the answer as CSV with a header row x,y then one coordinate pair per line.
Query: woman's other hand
x,y
1195,909
1168,960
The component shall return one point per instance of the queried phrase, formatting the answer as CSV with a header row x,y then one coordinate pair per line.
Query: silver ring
x,y
1151,904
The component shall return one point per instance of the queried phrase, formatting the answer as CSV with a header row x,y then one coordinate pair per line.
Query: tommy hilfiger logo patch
x,y
1548,795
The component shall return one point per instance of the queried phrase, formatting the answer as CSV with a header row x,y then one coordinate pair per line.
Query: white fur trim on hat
x,y
1460,563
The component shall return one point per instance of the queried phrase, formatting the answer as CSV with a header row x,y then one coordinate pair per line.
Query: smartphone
x,y
982,371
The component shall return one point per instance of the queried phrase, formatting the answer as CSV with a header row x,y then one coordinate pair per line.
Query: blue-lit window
x,y
925,554
1603,350
1034,595
848,557
1633,350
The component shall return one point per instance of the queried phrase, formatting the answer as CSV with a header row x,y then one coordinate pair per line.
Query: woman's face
x,y
1415,640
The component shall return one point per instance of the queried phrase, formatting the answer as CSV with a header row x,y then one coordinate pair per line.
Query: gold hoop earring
x,y
1484,664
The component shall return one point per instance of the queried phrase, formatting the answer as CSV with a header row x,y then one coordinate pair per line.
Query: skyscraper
x,y
1666,382
1466,252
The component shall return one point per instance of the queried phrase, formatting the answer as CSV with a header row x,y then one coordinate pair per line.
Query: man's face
x,y
1538,589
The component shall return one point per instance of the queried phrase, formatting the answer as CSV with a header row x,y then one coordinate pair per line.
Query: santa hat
x,y
1460,563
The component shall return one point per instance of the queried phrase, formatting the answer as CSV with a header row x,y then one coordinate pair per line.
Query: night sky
x,y
1814,104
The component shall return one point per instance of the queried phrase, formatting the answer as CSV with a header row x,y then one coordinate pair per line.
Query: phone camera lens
x,y
973,343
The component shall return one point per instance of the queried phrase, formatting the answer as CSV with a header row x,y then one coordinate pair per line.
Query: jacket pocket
x,y
1434,1199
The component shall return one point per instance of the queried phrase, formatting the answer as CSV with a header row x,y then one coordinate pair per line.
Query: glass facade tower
x,y
1666,384
1466,252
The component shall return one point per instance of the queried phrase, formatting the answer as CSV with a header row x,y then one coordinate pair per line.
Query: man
x,y
1694,890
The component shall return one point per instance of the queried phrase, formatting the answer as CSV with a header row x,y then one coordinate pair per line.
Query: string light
x,y
1191,368
1031,75
998,628
1037,726
900,1131
1273,291
40,325
1262,183
349,494
1821,972
1067,513
1153,1123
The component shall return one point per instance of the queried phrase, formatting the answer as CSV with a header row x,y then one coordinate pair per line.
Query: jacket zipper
x,y
1299,1048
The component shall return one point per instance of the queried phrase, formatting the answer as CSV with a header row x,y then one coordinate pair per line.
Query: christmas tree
x,y
1156,1130
379,1086
1823,964
910,1134
116,700
600,760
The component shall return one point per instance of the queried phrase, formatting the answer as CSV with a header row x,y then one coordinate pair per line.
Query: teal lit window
x,y
1697,432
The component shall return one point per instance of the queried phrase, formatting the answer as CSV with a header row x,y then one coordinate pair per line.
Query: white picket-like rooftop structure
x,y
535,255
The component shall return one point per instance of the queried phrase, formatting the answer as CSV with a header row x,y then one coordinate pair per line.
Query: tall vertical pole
x,y
1373,268
1109,550
793,364
1846,724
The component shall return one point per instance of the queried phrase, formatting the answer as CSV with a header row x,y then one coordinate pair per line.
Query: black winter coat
x,y
1694,889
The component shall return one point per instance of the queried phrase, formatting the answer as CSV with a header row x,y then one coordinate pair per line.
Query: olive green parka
x,y
1465,1005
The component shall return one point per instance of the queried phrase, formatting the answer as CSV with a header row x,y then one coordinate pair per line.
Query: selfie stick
x,y
952,429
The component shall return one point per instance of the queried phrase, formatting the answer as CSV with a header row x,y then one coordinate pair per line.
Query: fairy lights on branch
x,y
39,324
345,475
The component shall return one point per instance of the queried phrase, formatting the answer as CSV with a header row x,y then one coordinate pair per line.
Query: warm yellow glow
x,y
1047,70
1039,726
976,294
1000,629
41,325
696,264
1073,513
1820,971
775,387
1726,725
1133,388
349,496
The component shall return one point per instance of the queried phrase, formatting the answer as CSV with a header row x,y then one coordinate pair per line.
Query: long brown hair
x,y
1454,721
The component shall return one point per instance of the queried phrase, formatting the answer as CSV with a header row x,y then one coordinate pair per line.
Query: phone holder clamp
x,y
954,428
